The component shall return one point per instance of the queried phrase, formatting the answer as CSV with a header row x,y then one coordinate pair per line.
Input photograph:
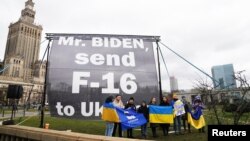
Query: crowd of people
x,y
181,107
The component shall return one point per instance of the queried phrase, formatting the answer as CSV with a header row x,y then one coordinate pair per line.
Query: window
x,y
17,72
13,71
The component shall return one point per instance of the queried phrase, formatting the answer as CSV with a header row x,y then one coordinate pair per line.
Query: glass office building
x,y
224,76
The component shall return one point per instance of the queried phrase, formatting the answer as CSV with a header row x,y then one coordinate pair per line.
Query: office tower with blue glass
x,y
223,76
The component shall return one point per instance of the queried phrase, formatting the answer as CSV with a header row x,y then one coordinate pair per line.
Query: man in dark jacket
x,y
185,116
130,105
144,110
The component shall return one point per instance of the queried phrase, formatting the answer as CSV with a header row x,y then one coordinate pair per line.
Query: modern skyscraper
x,y
223,74
23,43
173,84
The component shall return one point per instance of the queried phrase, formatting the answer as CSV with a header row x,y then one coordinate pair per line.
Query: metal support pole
x,y
159,69
45,85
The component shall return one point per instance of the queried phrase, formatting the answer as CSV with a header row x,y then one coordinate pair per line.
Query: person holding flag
x,y
198,120
165,126
118,103
145,111
127,118
109,124
153,125
178,112
130,105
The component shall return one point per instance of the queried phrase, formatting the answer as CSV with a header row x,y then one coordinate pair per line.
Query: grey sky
x,y
206,32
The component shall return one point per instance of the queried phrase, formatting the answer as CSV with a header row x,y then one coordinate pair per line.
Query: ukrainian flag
x,y
196,119
109,113
160,114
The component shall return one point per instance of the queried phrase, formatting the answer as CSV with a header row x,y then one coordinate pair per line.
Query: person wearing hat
x,y
185,116
178,112
198,105
197,102
130,105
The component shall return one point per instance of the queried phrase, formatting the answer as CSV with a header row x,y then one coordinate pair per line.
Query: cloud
x,y
206,33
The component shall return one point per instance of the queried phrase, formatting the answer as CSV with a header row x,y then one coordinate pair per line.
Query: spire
x,y
28,13
29,4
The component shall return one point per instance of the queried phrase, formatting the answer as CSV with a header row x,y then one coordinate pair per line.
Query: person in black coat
x,y
145,111
165,126
130,105
185,116
153,125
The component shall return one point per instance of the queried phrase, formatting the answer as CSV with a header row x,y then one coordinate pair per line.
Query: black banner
x,y
85,69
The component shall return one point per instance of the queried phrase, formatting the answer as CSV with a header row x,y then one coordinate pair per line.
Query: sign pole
x,y
45,85
159,68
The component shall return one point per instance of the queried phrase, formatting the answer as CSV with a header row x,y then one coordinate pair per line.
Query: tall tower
x,y
173,84
23,42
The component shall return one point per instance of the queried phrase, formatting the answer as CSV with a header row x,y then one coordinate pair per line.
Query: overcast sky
x,y
206,32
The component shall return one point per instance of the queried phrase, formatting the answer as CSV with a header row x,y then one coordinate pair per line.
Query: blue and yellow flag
x,y
160,114
127,117
196,119
109,113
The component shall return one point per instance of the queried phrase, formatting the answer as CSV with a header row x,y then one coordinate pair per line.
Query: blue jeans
x,y
144,130
177,124
109,128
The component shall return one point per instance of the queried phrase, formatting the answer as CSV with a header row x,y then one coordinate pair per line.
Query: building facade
x,y
224,76
21,59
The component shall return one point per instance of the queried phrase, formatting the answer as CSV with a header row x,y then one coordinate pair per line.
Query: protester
x,y
130,105
144,110
178,112
109,125
153,125
118,103
165,126
198,105
185,116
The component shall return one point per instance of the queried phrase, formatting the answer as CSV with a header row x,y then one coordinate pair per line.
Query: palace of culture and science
x,y
21,64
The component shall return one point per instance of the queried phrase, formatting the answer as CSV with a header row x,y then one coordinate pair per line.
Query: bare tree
x,y
243,103
237,108
207,91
